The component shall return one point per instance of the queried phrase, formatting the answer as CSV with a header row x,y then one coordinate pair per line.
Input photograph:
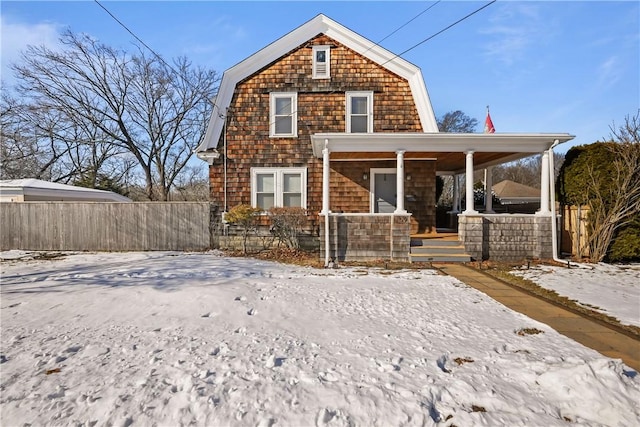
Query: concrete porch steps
x,y
437,249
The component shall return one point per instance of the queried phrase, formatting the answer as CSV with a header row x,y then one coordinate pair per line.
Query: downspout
x,y
325,200
224,138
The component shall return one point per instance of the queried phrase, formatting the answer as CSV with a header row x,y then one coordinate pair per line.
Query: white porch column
x,y
325,178
456,194
488,192
544,185
325,200
469,209
400,182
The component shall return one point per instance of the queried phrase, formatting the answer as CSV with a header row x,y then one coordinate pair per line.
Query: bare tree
x,y
121,106
454,122
457,121
45,143
191,185
29,147
525,171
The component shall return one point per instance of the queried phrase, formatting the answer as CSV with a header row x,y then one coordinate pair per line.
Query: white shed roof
x,y
36,189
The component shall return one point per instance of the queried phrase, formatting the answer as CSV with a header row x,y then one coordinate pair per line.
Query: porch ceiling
x,y
445,162
446,148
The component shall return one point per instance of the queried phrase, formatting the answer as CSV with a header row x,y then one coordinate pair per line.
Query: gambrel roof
x,y
321,24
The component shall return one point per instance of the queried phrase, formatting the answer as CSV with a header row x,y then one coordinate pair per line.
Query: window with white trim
x,y
283,117
321,62
278,187
359,112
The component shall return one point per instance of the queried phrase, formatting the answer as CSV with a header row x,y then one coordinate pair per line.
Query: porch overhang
x,y
447,148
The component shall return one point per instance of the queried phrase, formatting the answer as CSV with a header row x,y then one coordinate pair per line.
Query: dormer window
x,y
321,62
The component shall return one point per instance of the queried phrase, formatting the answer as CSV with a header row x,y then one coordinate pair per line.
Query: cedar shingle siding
x,y
321,108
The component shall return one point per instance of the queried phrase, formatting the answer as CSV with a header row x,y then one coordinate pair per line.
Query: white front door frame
x,y
372,185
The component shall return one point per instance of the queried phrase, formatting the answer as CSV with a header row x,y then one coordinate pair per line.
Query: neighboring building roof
x,y
318,25
37,190
512,190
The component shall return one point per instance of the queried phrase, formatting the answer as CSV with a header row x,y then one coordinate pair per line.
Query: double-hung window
x,y
278,187
359,112
321,62
283,117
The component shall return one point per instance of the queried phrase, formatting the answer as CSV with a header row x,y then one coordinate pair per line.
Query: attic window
x,y
321,62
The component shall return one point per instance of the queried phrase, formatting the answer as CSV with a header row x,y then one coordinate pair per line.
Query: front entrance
x,y
383,190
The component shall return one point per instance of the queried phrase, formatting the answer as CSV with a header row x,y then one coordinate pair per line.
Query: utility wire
x,y
441,31
157,55
403,25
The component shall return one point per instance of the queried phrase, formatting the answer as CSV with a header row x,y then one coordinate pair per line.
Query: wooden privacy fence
x,y
93,226
575,237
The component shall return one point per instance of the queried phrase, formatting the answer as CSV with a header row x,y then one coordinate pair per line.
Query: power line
x,y
157,55
404,25
440,32
134,35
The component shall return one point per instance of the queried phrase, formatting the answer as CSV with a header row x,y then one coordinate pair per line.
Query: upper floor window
x,y
359,112
321,62
283,117
279,187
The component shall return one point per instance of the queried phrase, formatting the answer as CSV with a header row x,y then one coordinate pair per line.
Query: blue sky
x,y
551,66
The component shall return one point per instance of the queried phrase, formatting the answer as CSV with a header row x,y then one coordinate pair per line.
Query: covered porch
x,y
378,234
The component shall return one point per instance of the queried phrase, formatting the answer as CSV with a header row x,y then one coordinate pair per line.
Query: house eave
x,y
436,142
493,149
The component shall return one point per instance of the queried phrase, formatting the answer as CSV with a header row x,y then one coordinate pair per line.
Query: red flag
x,y
488,124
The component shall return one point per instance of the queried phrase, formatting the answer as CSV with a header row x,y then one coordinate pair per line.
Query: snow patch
x,y
166,338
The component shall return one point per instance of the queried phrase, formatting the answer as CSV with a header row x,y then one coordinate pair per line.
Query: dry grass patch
x,y
312,259
462,360
528,331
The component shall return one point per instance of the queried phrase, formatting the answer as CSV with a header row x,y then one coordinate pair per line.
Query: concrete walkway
x,y
586,331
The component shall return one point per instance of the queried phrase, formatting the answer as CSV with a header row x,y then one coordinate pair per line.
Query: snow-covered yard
x,y
200,339
610,289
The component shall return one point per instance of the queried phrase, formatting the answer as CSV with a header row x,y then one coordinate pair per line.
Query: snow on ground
x,y
612,289
171,339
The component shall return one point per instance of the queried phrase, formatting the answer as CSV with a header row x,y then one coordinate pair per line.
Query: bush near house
x,y
287,224
605,176
626,244
246,217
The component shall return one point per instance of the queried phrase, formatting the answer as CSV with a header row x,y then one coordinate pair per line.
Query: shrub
x,y
244,216
287,223
626,244
584,174
606,178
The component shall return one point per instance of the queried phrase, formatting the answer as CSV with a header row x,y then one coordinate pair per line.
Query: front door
x,y
383,191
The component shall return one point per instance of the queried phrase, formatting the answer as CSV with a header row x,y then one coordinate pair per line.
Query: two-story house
x,y
329,121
